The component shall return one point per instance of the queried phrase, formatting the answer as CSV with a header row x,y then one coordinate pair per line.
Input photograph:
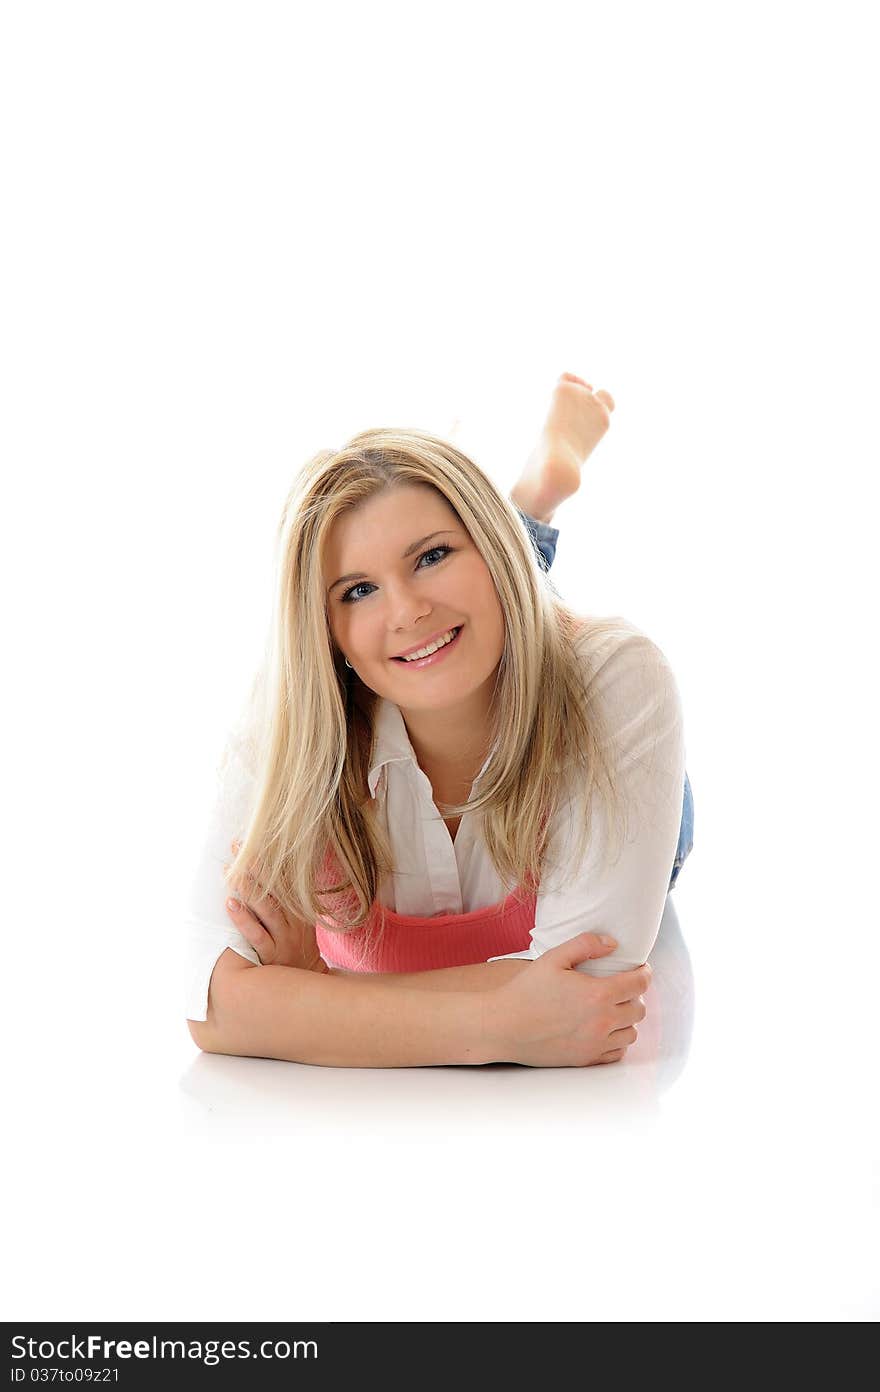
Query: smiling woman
x,y
454,822
407,600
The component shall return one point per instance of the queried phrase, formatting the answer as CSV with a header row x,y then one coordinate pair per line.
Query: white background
x,y
235,233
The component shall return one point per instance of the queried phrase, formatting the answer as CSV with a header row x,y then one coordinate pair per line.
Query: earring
x,y
348,664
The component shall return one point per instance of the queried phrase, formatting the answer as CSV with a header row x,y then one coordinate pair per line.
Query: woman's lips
x,y
433,658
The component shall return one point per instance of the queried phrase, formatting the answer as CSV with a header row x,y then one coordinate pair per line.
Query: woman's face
x,y
398,602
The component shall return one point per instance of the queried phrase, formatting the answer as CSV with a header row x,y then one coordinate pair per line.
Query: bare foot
x,y
576,422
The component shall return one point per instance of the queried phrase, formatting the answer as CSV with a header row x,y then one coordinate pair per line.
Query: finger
x,y
612,1056
251,928
577,949
624,1037
628,985
606,398
630,1013
264,907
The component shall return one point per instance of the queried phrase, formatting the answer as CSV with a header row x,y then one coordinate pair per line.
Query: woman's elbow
x,y
204,1035
207,1033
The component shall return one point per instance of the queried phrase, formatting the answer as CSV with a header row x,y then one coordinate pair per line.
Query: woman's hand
x,y
278,938
552,1016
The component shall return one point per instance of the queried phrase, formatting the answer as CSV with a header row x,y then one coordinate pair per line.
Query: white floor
x,y
712,1175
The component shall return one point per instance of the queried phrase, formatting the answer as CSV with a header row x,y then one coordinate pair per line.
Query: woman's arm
x,y
474,977
624,893
308,1017
549,1016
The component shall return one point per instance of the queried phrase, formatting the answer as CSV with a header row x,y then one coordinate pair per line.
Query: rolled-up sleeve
x,y
208,929
642,707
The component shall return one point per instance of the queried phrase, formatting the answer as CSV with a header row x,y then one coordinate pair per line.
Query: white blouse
x,y
436,875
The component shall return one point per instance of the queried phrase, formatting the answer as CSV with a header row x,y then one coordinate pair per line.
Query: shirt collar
x,y
391,743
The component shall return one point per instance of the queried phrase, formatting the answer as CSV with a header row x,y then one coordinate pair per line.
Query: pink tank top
x,y
410,943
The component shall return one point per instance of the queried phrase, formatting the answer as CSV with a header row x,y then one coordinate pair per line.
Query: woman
x,y
425,841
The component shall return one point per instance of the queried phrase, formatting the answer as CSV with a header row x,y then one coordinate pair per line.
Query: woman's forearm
x,y
480,976
332,1020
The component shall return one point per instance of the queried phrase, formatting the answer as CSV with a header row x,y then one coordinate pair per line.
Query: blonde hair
x,y
309,727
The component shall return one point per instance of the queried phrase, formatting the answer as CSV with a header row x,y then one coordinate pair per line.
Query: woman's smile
x,y
433,658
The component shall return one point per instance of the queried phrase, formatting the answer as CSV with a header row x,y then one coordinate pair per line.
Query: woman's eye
x,y
346,598
433,551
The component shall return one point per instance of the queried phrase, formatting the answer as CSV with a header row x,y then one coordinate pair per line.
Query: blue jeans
x,y
545,538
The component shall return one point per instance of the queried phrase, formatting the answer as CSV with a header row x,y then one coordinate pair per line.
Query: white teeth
x,y
432,647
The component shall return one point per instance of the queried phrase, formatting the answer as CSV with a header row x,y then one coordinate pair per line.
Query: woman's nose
x,y
405,607
407,620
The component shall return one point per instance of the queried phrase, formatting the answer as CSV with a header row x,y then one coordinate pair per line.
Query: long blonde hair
x,y
309,727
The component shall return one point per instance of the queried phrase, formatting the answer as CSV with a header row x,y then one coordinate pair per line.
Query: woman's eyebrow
x,y
414,546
